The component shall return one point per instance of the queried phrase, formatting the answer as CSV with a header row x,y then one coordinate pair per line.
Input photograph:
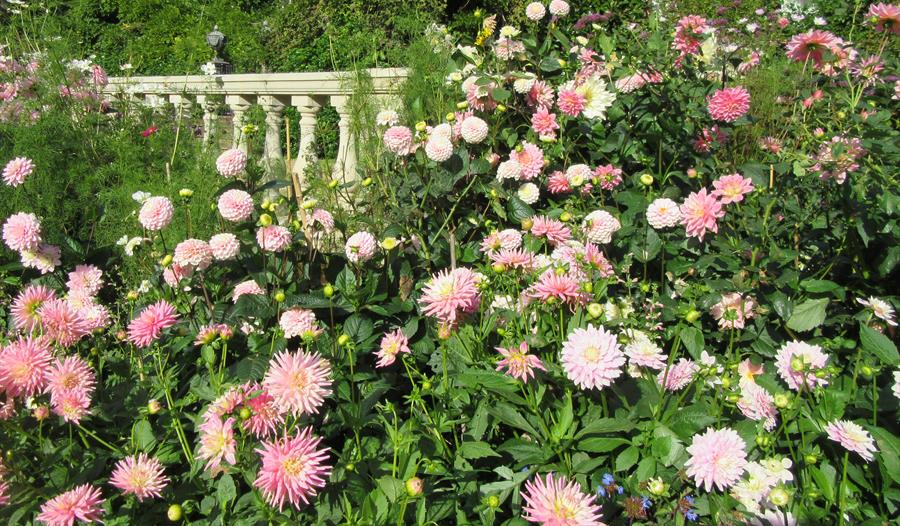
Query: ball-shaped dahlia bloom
x,y
22,232
599,226
360,247
663,213
474,130
231,163
194,253
535,11
592,357
299,322
156,213
15,171
224,246
439,149
399,140
235,205
559,8
273,238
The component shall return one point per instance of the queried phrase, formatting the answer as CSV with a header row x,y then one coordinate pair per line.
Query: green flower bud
x,y
414,486
646,179
595,310
265,220
343,340
389,243
174,513
493,502
692,316
367,181
332,184
185,192
245,413
166,260
328,291
565,217
153,406
811,459
279,296
782,400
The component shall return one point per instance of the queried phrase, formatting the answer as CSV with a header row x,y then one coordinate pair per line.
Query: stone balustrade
x,y
307,92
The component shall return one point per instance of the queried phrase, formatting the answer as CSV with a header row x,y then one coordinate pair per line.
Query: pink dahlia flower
x,y
559,8
592,357
449,294
323,218
392,344
793,358
299,322
530,159
85,280
246,287
4,493
83,503
217,442
643,352
599,226
518,363
231,162
880,308
15,171
558,183
812,45
25,307
156,213
193,253
360,247
174,273
535,11
507,239
595,260
852,437
555,231
264,414
700,213
663,213
298,382
66,377
23,366
678,376
209,333
544,123
732,188
224,246
729,104
473,130
22,232
439,149
62,322
578,174
235,205
757,404
885,17
509,169
273,238
45,258
292,469
571,102
718,458
399,140
733,311
139,475
607,176
687,35
518,258
540,95
553,287
146,328
556,501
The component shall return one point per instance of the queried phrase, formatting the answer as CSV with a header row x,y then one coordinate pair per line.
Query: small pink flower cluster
x,y
22,234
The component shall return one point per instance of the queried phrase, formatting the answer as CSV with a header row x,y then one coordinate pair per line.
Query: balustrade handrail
x,y
308,92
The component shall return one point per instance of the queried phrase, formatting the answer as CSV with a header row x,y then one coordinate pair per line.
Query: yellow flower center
x,y
592,354
293,466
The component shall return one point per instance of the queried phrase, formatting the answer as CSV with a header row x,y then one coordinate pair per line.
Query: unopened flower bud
x,y
414,486
797,364
332,184
132,295
501,108
451,117
499,268
811,459
265,220
279,296
185,192
462,105
527,224
245,413
779,497
867,371
646,179
565,217
367,181
581,40
389,243
692,316
782,400
656,486
692,173
595,310
562,63
421,126
493,502
41,412
153,406
328,291
166,260
174,513
343,340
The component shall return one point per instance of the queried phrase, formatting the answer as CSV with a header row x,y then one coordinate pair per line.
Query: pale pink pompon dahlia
x,y
700,213
292,469
246,287
559,8
599,226
193,253
156,213
360,247
852,437
146,328
22,232
729,104
556,501
450,294
15,171
399,140
231,163
663,213
224,246
273,238
299,322
718,458
298,382
592,357
83,503
235,205
473,130
139,475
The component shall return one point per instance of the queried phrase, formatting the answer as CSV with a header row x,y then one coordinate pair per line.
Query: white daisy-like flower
x,y
880,308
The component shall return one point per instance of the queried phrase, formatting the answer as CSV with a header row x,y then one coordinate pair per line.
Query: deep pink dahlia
x,y
555,231
729,104
146,328
885,17
264,414
62,322
544,123
812,45
530,159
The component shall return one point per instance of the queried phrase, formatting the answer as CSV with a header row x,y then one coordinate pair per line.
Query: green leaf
x,y
519,210
647,247
479,449
646,468
273,185
693,341
500,94
513,417
601,444
392,488
879,345
888,451
808,315
605,425
627,458
144,439
824,482
563,419
225,490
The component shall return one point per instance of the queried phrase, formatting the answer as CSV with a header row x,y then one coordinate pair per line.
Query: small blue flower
x,y
646,503
689,499
620,489
691,515
608,480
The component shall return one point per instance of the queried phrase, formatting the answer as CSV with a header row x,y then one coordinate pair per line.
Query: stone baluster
x,y
183,105
308,107
345,164
239,105
209,117
273,158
